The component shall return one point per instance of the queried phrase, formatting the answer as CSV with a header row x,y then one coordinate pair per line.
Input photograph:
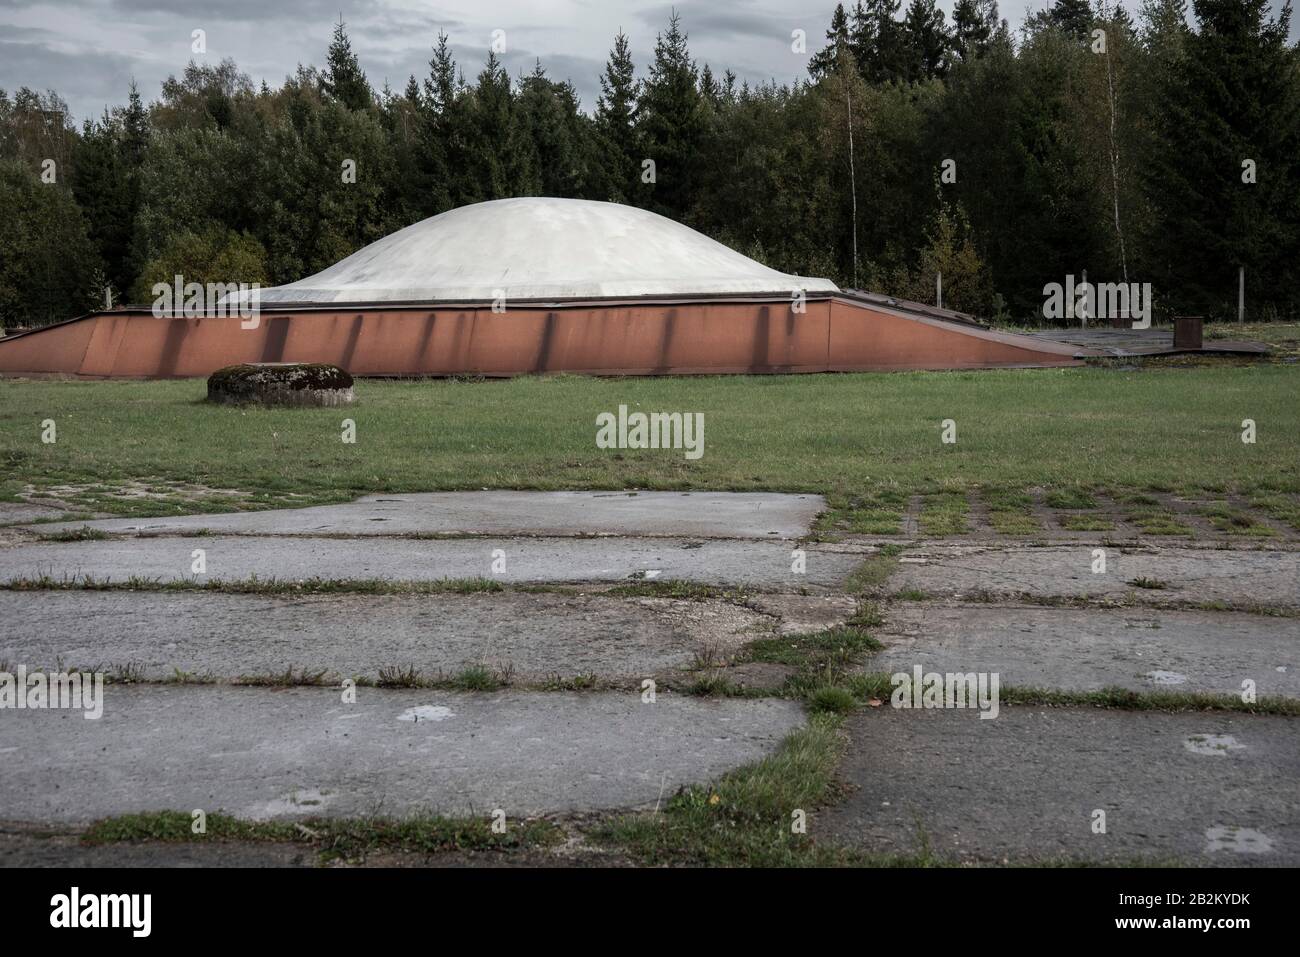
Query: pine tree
x,y
440,84
343,77
823,61
1073,16
554,134
927,41
862,34
615,126
729,86
888,59
974,22
671,121
1232,105
442,135
709,90
48,266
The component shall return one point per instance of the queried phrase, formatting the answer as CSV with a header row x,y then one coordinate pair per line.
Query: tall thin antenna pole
x,y
853,182
1114,159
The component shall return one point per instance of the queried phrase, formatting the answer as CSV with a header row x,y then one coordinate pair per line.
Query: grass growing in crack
x,y
82,534
745,818
869,577
1233,521
1011,512
838,647
260,586
831,698
676,588
876,513
332,838
288,679
1159,522
395,676
582,682
867,615
478,678
1086,523
879,685
1281,507
182,677
820,660
1129,700
1014,523
1150,584
944,514
1070,497
712,684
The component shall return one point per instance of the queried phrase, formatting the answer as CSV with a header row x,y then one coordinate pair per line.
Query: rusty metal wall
x,y
629,338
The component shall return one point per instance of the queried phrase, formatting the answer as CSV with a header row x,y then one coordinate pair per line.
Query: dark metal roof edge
x,y
855,296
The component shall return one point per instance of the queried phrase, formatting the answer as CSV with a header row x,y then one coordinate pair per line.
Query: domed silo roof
x,y
540,248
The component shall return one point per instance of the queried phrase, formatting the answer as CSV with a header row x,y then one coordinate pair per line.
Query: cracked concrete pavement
x,y
264,753
530,636
1170,573
1198,787
518,560
1208,789
1077,649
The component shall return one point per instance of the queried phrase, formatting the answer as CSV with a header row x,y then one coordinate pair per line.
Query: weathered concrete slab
x,y
265,753
1024,786
20,848
743,562
534,636
672,514
800,614
1184,574
13,513
1085,649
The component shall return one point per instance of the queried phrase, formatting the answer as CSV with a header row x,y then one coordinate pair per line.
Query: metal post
x,y
938,289
1241,294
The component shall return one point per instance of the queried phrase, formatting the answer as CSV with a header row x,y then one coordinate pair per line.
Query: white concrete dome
x,y
540,248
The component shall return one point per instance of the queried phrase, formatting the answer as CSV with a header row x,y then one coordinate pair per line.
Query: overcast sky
x,y
88,50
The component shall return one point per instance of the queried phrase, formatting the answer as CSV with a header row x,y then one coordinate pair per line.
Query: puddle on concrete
x,y
1219,744
426,712
1239,840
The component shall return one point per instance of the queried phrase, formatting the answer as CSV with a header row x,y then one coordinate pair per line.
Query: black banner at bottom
x,y
303,906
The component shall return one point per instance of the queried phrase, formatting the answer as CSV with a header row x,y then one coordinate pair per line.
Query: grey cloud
x,y
88,81
303,11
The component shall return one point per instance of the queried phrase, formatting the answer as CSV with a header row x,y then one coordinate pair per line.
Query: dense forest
x,y
1160,148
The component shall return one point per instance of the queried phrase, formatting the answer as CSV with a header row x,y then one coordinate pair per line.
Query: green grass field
x,y
868,436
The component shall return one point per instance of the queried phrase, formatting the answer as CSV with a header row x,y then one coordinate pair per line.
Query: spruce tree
x,y
615,126
1073,16
343,77
1231,113
440,84
927,41
823,61
671,122
862,39
974,22
442,135
412,91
